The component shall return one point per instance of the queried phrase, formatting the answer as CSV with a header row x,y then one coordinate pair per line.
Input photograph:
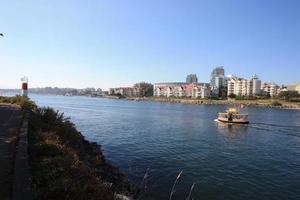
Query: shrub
x,y
288,95
24,102
232,96
276,103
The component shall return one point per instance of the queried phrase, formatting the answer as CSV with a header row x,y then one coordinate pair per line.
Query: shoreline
x,y
266,103
62,162
55,142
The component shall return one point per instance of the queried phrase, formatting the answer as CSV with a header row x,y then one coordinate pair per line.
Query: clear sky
x,y
95,43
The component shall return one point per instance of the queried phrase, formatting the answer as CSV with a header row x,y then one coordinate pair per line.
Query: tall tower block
x,y
24,81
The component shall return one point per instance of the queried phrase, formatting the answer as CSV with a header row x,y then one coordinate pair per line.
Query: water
x,y
256,161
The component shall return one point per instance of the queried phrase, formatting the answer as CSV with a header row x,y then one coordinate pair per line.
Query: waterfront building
x,y
270,89
202,91
164,89
217,80
178,89
294,87
191,78
243,87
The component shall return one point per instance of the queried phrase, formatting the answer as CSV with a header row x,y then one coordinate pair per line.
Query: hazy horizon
x,y
105,44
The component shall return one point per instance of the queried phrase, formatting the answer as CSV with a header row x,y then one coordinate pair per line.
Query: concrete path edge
x,y
21,182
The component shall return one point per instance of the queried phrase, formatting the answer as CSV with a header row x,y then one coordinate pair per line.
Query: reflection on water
x,y
232,130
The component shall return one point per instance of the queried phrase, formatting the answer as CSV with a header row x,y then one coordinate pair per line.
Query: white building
x,y
256,84
294,87
270,89
192,90
243,87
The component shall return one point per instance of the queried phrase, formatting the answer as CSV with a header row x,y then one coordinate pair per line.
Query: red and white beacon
x,y
24,81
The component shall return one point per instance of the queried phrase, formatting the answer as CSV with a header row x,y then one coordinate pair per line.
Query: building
x,y
270,89
236,86
243,87
254,85
178,89
294,87
141,89
191,78
217,81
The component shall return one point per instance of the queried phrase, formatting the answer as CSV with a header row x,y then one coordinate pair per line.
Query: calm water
x,y
256,161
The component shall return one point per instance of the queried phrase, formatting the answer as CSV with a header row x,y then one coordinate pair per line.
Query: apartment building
x,y
178,89
243,87
270,89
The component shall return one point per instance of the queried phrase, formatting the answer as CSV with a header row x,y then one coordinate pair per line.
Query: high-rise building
x,y
256,85
191,78
217,80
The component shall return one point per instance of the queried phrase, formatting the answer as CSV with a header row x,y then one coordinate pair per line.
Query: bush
x,y
44,149
24,102
288,95
58,153
232,96
276,103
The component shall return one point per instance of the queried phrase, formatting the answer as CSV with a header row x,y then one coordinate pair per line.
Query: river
x,y
256,161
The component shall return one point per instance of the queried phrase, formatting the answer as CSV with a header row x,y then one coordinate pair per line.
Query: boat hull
x,y
233,121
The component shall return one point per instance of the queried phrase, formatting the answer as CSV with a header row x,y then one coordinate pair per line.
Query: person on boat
x,y
230,117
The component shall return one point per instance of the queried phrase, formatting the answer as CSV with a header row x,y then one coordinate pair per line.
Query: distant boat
x,y
232,116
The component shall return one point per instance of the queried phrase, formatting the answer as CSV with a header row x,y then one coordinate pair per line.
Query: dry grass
x,y
66,166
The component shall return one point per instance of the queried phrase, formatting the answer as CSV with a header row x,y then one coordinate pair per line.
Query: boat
x,y
232,116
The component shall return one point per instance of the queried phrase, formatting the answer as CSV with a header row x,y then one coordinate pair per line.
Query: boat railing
x,y
234,115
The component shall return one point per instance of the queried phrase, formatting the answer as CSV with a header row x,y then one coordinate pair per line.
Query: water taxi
x,y
232,116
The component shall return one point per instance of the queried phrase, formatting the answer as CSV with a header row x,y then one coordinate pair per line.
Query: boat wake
x,y
277,128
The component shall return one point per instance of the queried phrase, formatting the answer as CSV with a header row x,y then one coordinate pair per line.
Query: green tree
x,y
144,89
288,95
232,96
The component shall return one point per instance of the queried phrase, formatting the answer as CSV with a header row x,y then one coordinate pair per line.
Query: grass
x,y
62,161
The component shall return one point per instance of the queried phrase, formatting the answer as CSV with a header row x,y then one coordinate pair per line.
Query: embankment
x,y
272,103
63,164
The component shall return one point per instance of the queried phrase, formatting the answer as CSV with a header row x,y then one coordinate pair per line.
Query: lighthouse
x,y
24,81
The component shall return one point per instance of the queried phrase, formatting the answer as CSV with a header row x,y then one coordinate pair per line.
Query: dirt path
x,y
10,119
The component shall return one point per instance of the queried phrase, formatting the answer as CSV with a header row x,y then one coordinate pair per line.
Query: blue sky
x,y
111,43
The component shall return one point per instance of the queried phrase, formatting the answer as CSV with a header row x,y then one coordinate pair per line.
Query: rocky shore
x,y
271,103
